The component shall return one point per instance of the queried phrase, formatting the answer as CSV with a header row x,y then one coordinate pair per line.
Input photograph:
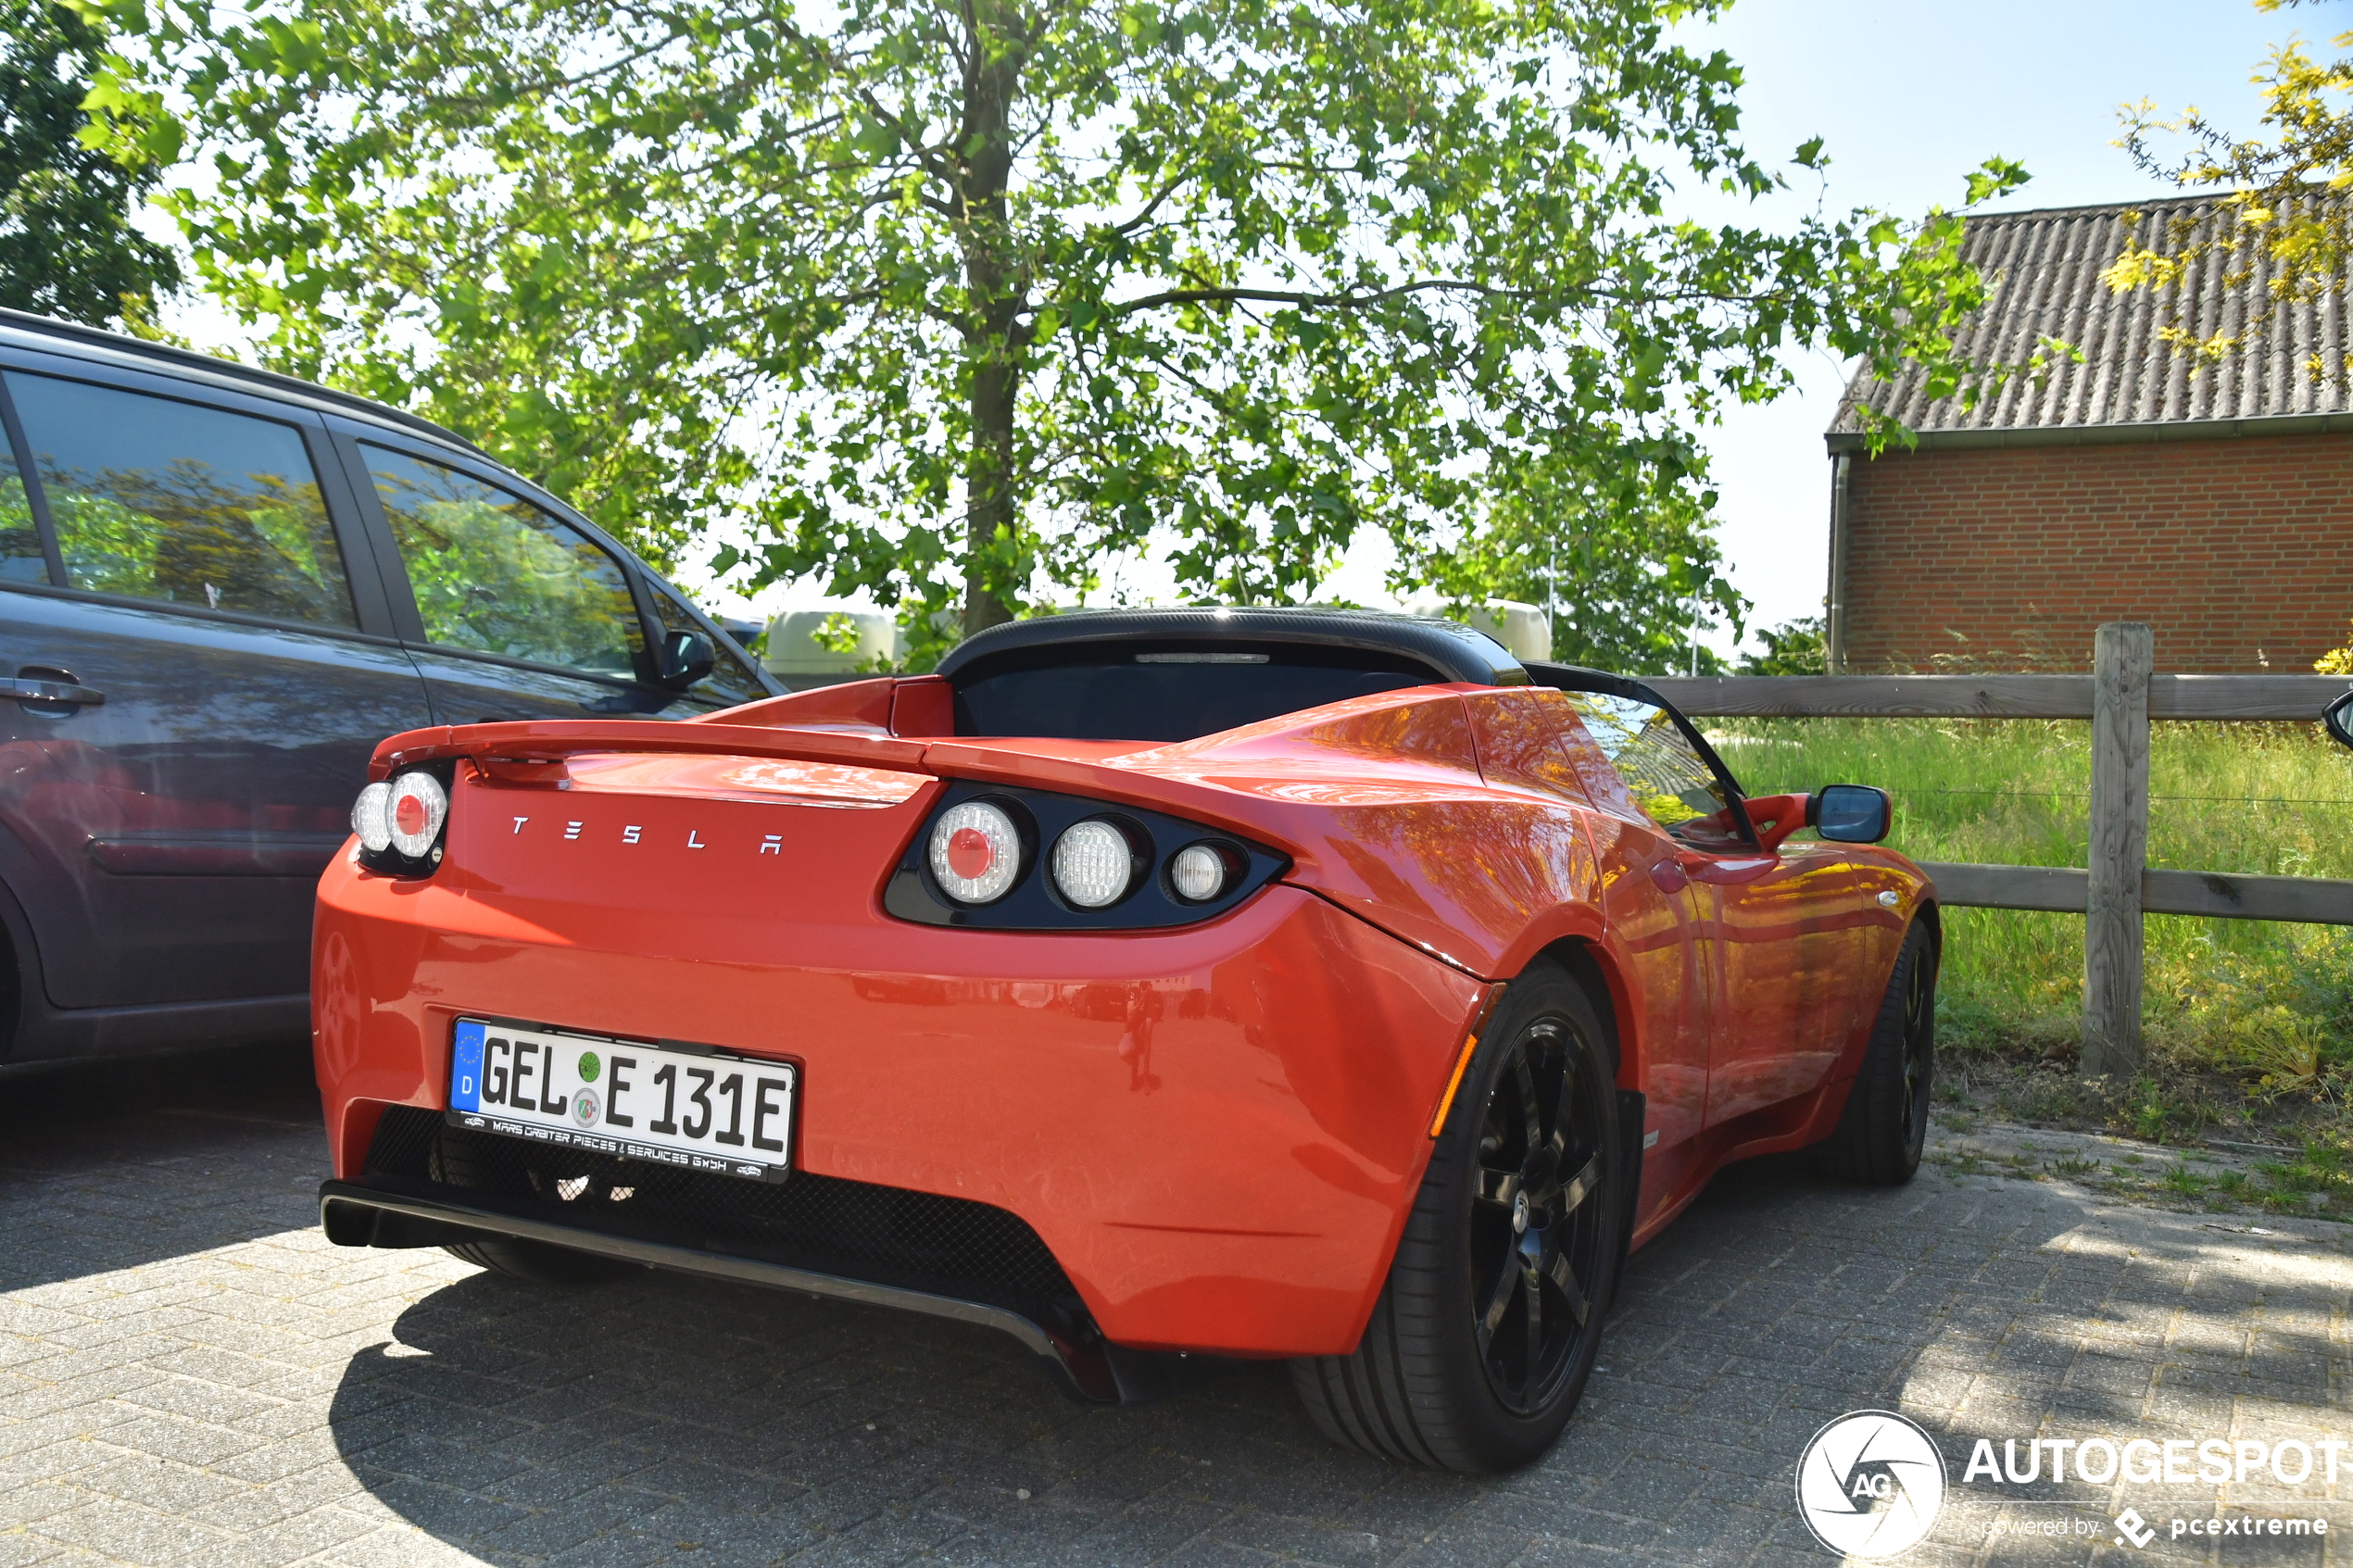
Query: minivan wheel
x,y
1483,1338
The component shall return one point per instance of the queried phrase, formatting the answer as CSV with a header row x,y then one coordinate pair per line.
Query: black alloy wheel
x,y
1884,1127
1920,1048
1535,1230
1485,1333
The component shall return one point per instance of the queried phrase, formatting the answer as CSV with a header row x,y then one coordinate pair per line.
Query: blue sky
x,y
1908,97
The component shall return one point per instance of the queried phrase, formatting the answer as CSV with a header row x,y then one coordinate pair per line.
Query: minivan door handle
x,y
69,693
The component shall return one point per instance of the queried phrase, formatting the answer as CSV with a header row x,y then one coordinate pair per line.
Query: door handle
x,y
1724,870
56,691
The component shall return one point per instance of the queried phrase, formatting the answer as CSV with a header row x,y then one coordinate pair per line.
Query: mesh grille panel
x,y
917,1240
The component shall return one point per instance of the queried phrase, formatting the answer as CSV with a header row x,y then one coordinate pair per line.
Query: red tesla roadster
x,y
1155,986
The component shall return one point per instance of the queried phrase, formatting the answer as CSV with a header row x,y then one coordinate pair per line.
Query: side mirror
x,y
2338,717
685,659
1850,813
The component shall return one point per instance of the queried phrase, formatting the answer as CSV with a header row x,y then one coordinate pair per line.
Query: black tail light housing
x,y
389,859
1033,902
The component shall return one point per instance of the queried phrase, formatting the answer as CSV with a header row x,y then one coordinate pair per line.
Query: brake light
x,y
975,853
410,815
970,854
399,823
418,807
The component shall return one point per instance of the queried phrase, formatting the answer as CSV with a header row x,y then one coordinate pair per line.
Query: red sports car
x,y
1154,986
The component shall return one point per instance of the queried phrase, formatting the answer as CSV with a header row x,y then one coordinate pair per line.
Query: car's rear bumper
x,y
1216,1132
395,1212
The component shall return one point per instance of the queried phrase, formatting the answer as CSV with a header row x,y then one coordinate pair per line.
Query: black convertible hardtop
x,y
1177,675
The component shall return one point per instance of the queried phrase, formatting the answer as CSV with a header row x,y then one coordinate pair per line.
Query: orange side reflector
x,y
1462,1062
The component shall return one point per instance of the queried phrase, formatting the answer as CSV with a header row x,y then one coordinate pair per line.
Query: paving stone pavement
x,y
189,1374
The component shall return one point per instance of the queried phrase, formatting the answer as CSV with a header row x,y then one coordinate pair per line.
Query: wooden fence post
x,y
2122,657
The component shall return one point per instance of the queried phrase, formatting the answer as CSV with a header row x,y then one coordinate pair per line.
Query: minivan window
x,y
22,559
155,498
496,574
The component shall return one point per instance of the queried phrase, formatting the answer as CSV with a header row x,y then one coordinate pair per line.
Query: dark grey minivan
x,y
219,589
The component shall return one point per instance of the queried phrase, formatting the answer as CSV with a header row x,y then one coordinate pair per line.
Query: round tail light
x,y
1094,864
1198,872
975,853
418,807
372,817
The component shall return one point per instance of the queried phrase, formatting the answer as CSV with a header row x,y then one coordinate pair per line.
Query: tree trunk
x,y
988,485
996,51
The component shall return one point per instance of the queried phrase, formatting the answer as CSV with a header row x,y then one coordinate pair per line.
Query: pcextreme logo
x,y
1870,1484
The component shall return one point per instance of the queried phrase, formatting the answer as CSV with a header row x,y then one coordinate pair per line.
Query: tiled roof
x,y
2043,269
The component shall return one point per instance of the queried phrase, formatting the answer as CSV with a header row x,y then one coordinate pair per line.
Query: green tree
x,y
2287,198
67,246
1795,648
1617,548
953,303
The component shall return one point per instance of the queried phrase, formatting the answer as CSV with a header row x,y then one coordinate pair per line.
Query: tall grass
x,y
2260,997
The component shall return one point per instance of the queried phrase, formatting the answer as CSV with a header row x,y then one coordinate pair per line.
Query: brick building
x,y
2217,506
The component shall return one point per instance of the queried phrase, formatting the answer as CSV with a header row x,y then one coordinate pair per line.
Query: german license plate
x,y
702,1110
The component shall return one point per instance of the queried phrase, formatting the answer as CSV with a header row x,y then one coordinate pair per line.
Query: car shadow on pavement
x,y
107,1166
184,1334
665,1417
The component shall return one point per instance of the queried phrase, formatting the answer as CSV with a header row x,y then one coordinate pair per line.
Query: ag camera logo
x,y
1870,1484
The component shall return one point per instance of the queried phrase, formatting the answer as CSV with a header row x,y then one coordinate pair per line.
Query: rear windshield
x,y
1154,692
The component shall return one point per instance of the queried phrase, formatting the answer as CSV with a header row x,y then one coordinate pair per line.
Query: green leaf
x,y
971,308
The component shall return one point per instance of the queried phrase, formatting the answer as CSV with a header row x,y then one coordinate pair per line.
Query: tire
x,y
1521,1208
540,1262
1886,1124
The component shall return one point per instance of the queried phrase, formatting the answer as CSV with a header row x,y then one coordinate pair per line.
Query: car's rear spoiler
x,y
549,740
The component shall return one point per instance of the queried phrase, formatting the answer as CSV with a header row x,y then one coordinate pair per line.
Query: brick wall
x,y
2239,552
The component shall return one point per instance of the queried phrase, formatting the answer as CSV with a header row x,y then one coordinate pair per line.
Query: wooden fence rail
x,y
2227,895
2121,696
2252,697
